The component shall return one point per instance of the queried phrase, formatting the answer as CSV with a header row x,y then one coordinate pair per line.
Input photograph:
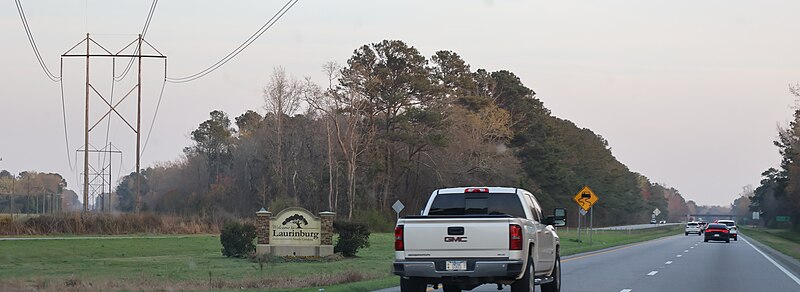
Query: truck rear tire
x,y
554,286
451,288
525,284
412,285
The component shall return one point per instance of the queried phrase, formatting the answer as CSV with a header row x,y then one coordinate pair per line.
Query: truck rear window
x,y
477,204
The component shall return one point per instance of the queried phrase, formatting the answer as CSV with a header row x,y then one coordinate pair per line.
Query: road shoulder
x,y
784,260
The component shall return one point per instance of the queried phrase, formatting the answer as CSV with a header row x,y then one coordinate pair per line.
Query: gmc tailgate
x,y
456,237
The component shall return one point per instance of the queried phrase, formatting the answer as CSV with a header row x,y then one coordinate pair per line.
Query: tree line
x,y
392,124
778,195
35,193
389,124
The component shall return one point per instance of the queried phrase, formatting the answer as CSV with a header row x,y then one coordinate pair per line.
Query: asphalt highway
x,y
675,263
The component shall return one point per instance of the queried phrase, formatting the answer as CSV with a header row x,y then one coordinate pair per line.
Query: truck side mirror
x,y
559,217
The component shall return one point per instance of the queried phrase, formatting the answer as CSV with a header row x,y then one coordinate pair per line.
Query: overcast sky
x,y
688,93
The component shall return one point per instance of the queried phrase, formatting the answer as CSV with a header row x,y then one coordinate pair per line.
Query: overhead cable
x,y
64,114
153,122
31,40
286,7
144,32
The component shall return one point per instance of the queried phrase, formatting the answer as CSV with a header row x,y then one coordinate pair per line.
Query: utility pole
x,y
86,136
139,126
112,108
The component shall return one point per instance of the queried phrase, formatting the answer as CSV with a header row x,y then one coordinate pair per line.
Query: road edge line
x,y
779,266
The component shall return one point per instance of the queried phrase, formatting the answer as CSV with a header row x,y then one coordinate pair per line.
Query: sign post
x,y
397,207
586,199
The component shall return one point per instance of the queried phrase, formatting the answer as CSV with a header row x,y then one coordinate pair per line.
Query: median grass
x,y
783,240
195,263
602,239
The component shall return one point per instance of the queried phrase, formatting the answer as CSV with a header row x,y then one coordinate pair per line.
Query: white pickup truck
x,y
471,236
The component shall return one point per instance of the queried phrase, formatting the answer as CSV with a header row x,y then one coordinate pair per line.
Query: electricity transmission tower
x,y
101,177
112,108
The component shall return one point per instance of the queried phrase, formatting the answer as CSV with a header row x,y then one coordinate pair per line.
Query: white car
x,y
693,227
732,229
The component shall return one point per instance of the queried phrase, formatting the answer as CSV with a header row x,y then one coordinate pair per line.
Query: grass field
x,y
783,240
606,239
195,263
190,262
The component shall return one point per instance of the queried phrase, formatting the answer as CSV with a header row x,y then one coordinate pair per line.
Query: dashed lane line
x,y
652,273
668,263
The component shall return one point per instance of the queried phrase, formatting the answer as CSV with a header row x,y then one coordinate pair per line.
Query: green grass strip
x,y
783,240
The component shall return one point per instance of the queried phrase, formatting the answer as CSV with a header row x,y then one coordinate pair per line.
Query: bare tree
x,y
282,97
344,109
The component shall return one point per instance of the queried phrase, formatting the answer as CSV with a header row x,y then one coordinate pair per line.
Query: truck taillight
x,y
398,238
476,190
514,237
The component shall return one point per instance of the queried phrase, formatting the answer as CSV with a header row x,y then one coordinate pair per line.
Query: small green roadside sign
x,y
782,218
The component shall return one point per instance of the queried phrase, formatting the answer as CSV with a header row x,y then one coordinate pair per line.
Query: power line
x,y
144,32
286,7
158,105
31,40
64,113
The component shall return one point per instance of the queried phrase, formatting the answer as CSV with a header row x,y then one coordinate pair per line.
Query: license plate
x,y
716,235
456,265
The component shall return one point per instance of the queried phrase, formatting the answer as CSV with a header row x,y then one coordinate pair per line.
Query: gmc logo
x,y
455,239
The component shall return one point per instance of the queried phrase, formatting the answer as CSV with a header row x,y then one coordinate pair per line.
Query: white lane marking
x,y
652,273
679,255
789,274
625,290
691,247
668,263
685,250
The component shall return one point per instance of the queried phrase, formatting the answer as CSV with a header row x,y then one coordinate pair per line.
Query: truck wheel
x,y
412,285
451,288
526,283
554,286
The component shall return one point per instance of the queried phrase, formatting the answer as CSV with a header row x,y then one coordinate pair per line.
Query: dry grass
x,y
92,223
74,283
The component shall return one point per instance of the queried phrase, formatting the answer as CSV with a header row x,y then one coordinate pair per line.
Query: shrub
x,y
237,239
376,220
352,237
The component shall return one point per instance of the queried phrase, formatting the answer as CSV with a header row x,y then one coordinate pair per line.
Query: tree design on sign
x,y
296,219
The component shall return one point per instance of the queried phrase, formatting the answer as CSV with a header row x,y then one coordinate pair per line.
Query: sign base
x,y
295,250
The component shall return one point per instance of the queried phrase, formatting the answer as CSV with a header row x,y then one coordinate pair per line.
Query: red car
x,y
718,232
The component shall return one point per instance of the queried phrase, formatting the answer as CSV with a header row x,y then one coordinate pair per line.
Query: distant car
x,y
718,232
702,226
692,227
732,229
652,221
663,222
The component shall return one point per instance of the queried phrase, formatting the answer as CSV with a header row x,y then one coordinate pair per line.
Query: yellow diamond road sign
x,y
585,198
